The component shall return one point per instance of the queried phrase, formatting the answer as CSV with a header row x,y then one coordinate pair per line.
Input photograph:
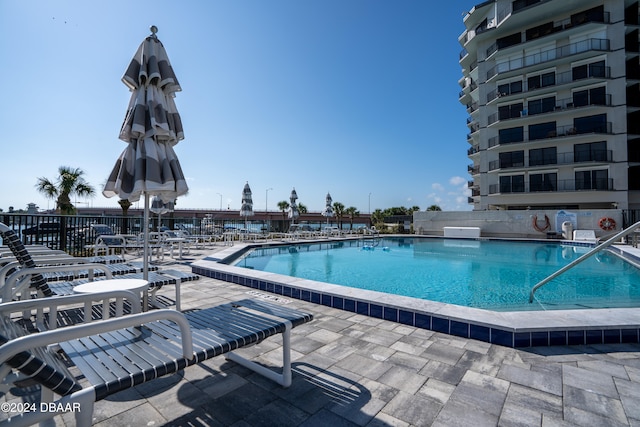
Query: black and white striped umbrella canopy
x,y
159,207
148,166
151,128
293,206
328,208
247,203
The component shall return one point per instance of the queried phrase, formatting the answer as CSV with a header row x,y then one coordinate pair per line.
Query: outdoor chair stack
x,y
116,354
31,277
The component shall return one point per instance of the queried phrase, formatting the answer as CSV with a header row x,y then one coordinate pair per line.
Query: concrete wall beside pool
x,y
516,223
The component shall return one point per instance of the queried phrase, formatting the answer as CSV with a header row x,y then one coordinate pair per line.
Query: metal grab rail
x,y
573,263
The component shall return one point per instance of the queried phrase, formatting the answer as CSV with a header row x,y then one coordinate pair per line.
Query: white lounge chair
x,y
588,236
161,342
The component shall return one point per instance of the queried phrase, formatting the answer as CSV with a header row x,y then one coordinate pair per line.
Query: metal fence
x,y
73,233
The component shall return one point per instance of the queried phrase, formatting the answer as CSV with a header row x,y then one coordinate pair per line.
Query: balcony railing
x,y
559,186
473,169
598,156
593,72
561,105
558,26
549,55
559,132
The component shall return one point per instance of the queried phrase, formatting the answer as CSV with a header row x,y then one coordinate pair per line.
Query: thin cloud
x,y
457,180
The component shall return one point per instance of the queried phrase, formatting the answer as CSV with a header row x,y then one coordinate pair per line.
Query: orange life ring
x,y
607,224
547,224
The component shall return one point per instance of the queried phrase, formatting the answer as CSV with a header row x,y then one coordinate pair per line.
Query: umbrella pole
x,y
145,252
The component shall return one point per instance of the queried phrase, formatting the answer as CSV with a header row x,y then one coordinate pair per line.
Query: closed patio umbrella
x,y
246,210
328,209
148,166
159,207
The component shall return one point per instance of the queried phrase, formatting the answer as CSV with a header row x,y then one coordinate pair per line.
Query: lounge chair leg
x,y
283,379
178,282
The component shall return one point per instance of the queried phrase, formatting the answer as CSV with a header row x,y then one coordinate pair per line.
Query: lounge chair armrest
x,y
54,268
42,339
6,309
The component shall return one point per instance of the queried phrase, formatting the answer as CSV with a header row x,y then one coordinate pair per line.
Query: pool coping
x,y
510,328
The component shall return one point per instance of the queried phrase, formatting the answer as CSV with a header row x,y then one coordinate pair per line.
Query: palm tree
x,y
377,217
70,182
302,209
352,212
434,208
338,210
283,206
125,204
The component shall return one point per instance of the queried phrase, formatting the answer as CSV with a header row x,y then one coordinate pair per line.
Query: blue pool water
x,y
492,275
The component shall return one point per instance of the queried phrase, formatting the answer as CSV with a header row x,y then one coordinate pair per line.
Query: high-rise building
x,y
552,88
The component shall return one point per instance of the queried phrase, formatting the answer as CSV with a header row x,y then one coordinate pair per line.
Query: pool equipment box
x,y
462,232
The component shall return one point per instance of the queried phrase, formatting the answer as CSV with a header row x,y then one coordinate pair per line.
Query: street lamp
x,y
266,200
220,194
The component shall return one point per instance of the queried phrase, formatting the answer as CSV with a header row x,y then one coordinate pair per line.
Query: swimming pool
x,y
487,274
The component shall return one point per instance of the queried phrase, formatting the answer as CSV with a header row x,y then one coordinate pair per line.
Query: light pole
x,y
266,200
220,194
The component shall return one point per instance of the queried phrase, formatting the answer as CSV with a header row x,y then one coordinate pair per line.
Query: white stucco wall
x,y
514,223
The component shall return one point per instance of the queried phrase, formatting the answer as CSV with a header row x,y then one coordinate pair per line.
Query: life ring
x,y
607,224
547,224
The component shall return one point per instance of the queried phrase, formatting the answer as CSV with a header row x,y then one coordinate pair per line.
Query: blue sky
x,y
358,98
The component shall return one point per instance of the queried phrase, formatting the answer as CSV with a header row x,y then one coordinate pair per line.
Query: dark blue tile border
x,y
421,320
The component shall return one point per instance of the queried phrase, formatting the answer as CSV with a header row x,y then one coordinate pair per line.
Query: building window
x,y
595,96
513,159
543,156
541,80
539,31
543,105
543,182
597,69
512,184
542,130
509,40
590,152
591,124
521,4
508,136
509,88
595,14
592,180
512,111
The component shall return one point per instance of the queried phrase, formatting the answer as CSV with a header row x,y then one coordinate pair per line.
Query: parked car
x,y
45,228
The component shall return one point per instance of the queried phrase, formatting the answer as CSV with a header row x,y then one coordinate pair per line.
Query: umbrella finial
x,y
153,30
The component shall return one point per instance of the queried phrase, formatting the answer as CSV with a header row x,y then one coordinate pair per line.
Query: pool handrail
x,y
575,262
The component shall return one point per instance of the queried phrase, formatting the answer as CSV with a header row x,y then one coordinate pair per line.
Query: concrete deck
x,y
353,370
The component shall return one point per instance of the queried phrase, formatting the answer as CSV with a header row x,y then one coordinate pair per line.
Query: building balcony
x,y
596,45
473,169
473,150
553,28
561,185
560,105
558,132
592,72
560,159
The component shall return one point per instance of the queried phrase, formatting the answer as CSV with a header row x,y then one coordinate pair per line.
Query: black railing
x,y
560,185
549,55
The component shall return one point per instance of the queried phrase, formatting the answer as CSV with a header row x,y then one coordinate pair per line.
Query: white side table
x,y
134,285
